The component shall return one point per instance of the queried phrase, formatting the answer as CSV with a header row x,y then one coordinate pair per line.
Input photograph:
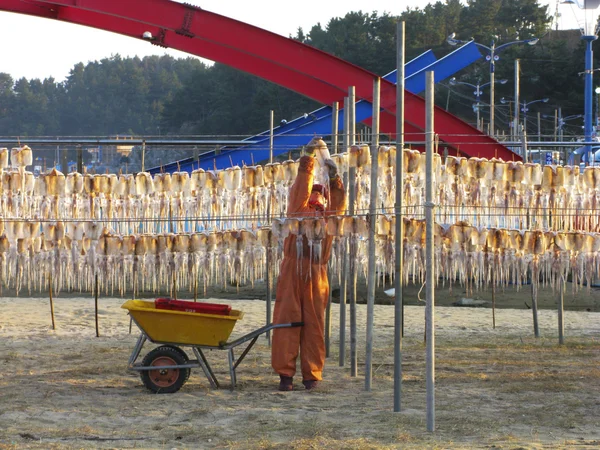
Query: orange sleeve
x,y
337,196
300,191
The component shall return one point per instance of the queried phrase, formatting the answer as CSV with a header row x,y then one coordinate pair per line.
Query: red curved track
x,y
289,63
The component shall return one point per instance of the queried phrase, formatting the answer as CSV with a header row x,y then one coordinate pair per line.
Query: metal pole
x,y
524,144
372,224
353,240
517,100
430,269
399,244
335,111
341,242
589,78
334,131
143,156
269,256
539,117
343,292
64,161
328,317
79,159
492,89
271,137
597,108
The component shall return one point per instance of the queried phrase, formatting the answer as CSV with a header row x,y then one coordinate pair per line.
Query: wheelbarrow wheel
x,y
183,355
164,381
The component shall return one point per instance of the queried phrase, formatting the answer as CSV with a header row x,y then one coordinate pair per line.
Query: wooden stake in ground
x,y
494,298
534,304
561,311
51,301
133,295
96,291
174,289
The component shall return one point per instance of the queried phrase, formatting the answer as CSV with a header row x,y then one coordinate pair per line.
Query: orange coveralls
x,y
303,295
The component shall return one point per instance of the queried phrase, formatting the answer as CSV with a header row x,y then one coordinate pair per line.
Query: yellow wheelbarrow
x,y
166,368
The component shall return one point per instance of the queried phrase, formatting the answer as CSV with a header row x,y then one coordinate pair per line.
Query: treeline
x,y
166,96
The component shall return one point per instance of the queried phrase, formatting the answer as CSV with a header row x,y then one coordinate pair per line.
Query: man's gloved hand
x,y
332,168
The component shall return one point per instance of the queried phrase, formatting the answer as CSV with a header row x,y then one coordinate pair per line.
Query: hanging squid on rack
x,y
162,187
360,158
180,200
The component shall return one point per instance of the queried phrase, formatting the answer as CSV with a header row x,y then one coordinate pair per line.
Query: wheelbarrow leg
x,y
137,349
206,367
231,368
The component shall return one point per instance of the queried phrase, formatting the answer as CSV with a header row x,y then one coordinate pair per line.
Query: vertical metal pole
x,y
561,312
353,239
335,113
271,137
430,269
143,165
399,243
492,131
588,100
517,104
328,317
269,257
335,109
372,224
343,292
64,162
79,159
539,127
524,144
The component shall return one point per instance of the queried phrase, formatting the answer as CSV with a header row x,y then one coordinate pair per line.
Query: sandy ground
x,y
501,388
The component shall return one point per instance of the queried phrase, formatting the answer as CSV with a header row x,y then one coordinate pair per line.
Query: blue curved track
x,y
297,132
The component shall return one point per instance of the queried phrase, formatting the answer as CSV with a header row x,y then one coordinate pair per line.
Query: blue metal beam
x,y
298,131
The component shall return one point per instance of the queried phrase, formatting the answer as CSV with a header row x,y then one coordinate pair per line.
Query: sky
x,y
43,48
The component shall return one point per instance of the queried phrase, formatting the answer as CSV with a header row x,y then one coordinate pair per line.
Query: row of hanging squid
x,y
74,253
497,223
488,193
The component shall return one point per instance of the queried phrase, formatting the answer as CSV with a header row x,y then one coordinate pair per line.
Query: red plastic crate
x,y
194,307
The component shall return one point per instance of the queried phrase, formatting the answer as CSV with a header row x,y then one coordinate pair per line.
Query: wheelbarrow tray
x,y
180,327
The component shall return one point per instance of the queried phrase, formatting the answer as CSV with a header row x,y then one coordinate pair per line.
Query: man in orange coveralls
x,y
303,288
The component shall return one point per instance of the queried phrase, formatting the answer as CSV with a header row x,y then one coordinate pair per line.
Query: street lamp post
x,y
524,108
589,34
561,124
597,91
491,57
478,91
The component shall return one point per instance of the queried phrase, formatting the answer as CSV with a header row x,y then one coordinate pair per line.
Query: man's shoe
x,y
286,383
310,384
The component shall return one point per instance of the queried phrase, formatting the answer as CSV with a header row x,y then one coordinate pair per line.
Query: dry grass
x,y
499,393
502,391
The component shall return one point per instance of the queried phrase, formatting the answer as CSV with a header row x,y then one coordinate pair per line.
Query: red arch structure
x,y
289,63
